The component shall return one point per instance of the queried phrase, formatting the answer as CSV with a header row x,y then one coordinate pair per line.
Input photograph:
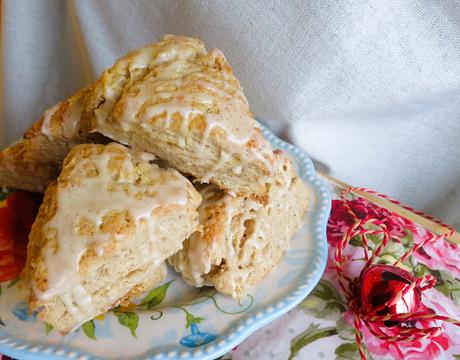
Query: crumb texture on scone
x,y
172,98
112,215
103,232
34,161
31,164
65,120
184,104
242,240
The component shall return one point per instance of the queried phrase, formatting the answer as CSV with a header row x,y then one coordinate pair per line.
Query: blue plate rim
x,y
253,320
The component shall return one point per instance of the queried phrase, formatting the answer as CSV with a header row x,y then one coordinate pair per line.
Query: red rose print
x,y
16,219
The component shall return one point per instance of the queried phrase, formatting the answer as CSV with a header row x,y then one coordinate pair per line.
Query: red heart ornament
x,y
387,290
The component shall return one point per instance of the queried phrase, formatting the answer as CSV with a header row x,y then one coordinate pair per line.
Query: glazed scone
x,y
21,166
32,162
103,232
147,279
184,104
242,240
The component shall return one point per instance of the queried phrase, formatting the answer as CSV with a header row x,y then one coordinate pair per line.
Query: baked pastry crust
x,y
182,103
242,240
32,162
103,232
171,98
185,105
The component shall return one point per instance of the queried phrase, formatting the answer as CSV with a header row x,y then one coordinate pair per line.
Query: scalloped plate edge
x,y
17,348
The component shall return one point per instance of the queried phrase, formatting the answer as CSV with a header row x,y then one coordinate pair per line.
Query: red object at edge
x,y
16,219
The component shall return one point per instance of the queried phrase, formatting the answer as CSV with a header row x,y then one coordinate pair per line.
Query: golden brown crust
x,y
32,162
34,268
127,237
215,119
242,240
205,112
143,286
65,120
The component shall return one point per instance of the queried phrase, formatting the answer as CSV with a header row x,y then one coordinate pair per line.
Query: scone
x,y
242,240
103,232
32,162
184,104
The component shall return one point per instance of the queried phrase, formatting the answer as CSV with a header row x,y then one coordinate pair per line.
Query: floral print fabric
x,y
322,325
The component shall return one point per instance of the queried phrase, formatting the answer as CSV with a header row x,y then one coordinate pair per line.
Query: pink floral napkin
x,y
321,327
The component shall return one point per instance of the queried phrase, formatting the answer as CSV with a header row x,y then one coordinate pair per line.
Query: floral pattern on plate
x,y
175,320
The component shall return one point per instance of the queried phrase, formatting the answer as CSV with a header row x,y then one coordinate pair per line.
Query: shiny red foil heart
x,y
380,286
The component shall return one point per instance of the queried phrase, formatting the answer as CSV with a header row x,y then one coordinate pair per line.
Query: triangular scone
x,y
184,104
32,162
103,232
242,240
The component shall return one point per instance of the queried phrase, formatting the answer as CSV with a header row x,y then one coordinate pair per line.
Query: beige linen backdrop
x,y
371,89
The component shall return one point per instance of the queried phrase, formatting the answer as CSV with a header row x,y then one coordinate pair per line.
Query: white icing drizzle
x,y
260,156
237,169
147,157
180,82
91,198
153,98
199,262
70,118
47,116
166,52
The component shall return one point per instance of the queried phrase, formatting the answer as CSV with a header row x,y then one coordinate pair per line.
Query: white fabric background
x,y
369,88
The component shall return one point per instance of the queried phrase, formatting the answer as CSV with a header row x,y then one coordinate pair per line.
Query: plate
x,y
178,321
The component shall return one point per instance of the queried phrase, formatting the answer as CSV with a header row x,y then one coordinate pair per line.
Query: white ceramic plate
x,y
183,322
